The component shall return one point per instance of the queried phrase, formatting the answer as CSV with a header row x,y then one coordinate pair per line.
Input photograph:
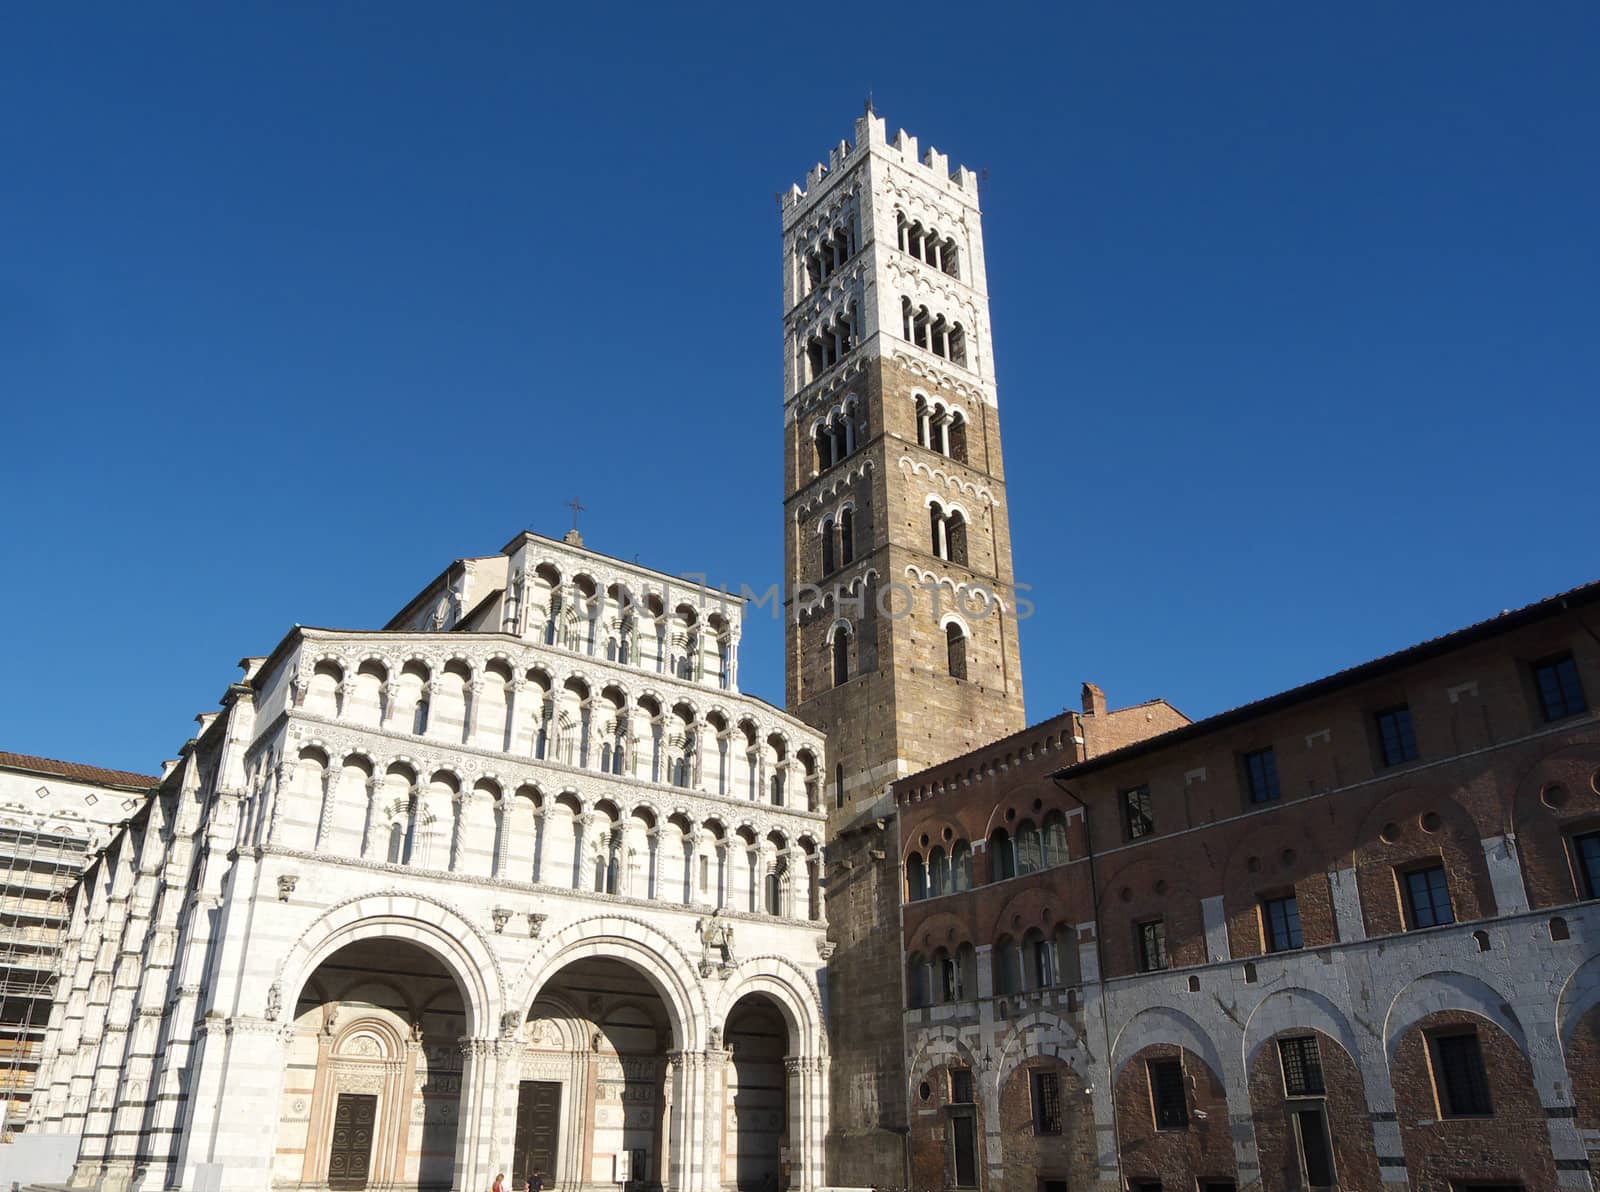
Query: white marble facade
x,y
528,836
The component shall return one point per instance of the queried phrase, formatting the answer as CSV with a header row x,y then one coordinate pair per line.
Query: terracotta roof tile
x,y
76,771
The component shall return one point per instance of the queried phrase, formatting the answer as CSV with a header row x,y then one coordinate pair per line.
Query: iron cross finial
x,y
576,509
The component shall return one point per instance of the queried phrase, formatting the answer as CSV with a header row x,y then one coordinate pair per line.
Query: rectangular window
x,y
1144,1186
1586,859
1427,898
1136,818
1458,1075
1166,1094
1152,938
1316,1148
1046,1103
1395,736
1280,922
1261,776
1560,693
1302,1066
961,1086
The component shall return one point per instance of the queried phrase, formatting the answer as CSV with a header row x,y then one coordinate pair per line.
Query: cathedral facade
x,y
519,882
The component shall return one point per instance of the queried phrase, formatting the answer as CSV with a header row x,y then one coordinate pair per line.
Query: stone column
x,y
486,1128
514,700
370,849
331,778
474,712
691,864
713,1112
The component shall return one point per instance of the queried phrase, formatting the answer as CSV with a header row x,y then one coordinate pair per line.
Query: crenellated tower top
x,y
872,133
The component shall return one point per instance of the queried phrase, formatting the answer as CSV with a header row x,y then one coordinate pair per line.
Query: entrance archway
x,y
372,1084
756,1142
595,1079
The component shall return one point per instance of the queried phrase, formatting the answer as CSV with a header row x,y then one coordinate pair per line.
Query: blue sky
x,y
1294,316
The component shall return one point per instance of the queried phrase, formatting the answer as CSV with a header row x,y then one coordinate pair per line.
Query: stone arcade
x,y
519,881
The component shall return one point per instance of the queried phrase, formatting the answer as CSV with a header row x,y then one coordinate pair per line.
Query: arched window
x,y
838,785
777,788
1055,839
841,655
936,530
938,872
1007,967
774,888
960,867
955,649
419,718
605,756
922,422
827,547
847,537
397,843
1002,856
956,438
955,533
916,878
1029,856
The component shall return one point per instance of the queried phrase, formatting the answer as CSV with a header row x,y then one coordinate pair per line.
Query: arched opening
x,y
594,1078
374,1073
757,1108
955,647
841,656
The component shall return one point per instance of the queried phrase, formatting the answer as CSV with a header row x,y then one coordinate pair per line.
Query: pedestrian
x,y
536,1182
499,1183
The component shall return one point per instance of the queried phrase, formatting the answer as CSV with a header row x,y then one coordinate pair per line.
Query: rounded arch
x,y
955,619
790,990
636,944
1580,993
1163,1024
1448,991
433,926
1296,1008
942,1047
1039,1035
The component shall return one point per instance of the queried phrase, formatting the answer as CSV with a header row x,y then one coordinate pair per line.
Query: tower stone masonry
x,y
901,612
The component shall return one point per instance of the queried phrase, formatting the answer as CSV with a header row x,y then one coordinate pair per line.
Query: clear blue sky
x,y
1295,320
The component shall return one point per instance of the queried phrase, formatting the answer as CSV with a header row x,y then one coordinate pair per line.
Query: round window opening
x,y
1431,821
926,1090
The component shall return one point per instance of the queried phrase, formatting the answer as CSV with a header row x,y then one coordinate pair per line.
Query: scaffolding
x,y
37,870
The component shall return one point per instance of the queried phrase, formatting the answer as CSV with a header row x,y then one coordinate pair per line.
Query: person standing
x,y
499,1183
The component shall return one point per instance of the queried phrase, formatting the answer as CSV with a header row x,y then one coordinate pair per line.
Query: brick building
x,y
1342,936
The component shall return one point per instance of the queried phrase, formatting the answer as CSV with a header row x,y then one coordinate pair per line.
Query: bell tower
x,y
901,615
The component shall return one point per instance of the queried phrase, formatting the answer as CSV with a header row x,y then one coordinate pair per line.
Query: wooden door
x,y
538,1131
350,1155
